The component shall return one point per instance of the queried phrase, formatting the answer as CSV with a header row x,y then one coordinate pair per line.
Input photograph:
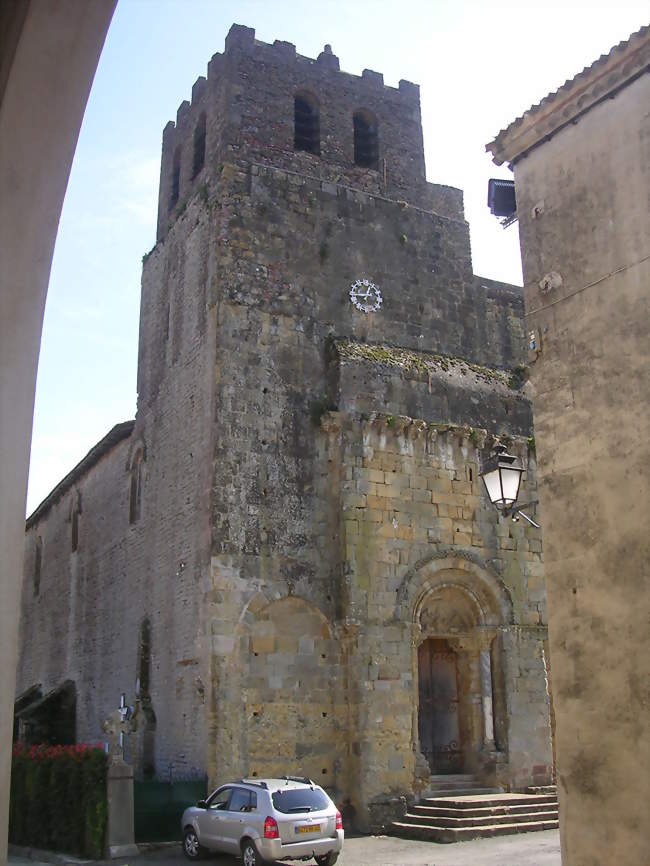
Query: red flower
x,y
43,751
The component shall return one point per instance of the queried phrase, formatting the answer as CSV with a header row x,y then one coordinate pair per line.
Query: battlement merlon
x,y
241,38
246,103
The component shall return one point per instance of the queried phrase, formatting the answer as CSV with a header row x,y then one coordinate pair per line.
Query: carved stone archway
x,y
457,607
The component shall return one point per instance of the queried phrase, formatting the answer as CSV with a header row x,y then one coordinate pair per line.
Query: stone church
x,y
287,562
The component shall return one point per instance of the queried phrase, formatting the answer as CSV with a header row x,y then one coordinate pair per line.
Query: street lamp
x,y
502,478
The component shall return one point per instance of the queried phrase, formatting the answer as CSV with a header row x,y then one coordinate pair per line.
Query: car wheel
x,y
191,847
250,856
327,859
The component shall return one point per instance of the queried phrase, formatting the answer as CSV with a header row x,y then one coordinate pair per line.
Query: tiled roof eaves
x,y
114,435
625,62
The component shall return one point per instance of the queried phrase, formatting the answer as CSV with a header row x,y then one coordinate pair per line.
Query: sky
x,y
479,66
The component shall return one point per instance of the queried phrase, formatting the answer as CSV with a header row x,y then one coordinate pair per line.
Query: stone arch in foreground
x,y
49,56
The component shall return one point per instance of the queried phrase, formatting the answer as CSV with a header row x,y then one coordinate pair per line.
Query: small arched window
x,y
199,146
176,178
38,559
75,511
306,134
135,492
366,140
144,658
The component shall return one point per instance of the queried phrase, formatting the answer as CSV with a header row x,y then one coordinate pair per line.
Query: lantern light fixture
x,y
502,478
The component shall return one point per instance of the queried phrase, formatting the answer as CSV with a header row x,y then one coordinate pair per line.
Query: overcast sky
x,y
479,64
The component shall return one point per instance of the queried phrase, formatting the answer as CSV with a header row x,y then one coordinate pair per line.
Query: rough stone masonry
x,y
287,562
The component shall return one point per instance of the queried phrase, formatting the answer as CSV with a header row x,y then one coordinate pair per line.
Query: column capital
x,y
485,637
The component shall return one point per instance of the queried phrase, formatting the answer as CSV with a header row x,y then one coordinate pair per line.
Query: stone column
x,y
485,668
416,640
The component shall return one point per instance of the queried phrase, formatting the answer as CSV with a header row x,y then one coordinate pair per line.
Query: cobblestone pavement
x,y
527,849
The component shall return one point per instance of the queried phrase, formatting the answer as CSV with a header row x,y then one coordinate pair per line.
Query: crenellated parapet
x,y
265,103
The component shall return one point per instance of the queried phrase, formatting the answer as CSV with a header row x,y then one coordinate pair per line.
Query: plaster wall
x,y
582,201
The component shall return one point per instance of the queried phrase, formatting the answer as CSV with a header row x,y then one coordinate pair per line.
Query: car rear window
x,y
299,800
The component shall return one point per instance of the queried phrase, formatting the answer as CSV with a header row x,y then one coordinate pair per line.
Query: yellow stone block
x,y
462,539
262,644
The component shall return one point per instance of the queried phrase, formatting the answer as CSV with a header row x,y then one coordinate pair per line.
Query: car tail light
x,y
271,828
339,820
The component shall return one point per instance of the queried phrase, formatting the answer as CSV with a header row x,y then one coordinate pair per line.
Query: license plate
x,y
308,828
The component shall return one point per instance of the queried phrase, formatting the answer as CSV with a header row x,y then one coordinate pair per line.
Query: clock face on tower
x,y
365,296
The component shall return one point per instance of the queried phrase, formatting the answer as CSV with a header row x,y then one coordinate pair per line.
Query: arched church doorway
x,y
438,719
456,625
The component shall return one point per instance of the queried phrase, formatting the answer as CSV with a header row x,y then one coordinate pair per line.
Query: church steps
x,y
446,779
486,801
456,785
542,789
478,820
481,812
447,834
455,819
451,793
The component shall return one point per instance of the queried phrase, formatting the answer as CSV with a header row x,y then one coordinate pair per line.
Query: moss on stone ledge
x,y
424,363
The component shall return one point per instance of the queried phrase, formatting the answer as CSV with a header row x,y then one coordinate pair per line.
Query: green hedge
x,y
58,798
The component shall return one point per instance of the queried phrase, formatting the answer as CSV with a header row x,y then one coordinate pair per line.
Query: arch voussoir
x,y
461,569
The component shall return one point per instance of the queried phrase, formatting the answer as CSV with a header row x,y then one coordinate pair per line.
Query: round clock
x,y
365,296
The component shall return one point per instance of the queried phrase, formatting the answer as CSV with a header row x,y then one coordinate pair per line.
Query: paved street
x,y
527,849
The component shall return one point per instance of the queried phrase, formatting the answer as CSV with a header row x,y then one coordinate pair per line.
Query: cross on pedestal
x,y
124,710
125,714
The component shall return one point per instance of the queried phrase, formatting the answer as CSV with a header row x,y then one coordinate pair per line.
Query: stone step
x,y
444,778
448,834
488,800
437,794
466,821
449,779
482,811
457,818
454,783
542,789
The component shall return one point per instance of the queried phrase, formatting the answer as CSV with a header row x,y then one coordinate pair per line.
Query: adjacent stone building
x,y
581,161
287,562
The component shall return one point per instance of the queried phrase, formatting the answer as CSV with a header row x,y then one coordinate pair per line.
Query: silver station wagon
x,y
264,820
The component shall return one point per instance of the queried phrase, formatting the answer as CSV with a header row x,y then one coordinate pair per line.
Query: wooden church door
x,y
438,714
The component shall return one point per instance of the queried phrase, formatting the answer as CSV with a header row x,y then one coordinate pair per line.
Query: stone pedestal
x,y
120,836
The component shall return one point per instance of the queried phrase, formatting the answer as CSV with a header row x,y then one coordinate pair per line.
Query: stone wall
x,y
293,245
163,557
415,515
175,422
71,604
310,471
84,623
